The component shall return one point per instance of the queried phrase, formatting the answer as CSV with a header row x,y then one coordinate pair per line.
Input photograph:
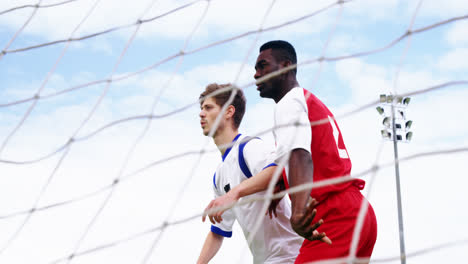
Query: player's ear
x,y
286,63
230,111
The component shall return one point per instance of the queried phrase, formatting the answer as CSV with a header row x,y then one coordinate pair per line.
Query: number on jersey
x,y
336,134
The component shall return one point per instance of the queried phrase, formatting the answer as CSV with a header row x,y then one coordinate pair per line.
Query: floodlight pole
x,y
397,175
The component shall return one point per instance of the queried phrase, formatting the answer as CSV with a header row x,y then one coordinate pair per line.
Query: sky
x,y
60,148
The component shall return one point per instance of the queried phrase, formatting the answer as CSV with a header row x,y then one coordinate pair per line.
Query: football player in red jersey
x,y
314,152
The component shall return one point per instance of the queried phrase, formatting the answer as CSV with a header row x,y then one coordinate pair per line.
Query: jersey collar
x,y
229,149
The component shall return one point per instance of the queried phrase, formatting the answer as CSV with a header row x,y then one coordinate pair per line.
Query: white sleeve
x,y
292,127
258,155
225,227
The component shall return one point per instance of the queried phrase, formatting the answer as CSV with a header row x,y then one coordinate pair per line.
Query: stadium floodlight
x,y
406,101
386,121
383,98
401,114
380,110
395,132
408,124
395,126
409,136
386,134
389,99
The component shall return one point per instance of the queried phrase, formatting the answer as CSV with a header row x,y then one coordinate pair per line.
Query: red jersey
x,y
329,155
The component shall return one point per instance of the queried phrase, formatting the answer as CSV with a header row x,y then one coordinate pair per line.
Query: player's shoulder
x,y
249,141
296,93
257,147
293,104
293,99
314,103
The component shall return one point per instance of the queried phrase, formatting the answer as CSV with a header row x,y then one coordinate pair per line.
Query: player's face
x,y
209,112
266,64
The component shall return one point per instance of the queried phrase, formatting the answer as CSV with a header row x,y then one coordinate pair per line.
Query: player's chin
x,y
264,93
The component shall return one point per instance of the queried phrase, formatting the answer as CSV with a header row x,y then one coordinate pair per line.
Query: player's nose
x,y
257,74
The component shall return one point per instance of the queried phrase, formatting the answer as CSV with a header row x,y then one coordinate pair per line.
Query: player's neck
x,y
288,86
223,139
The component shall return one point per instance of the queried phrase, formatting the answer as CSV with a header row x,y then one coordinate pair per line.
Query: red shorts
x,y
339,213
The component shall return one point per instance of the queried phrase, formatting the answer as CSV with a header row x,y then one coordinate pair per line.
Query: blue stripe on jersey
x,y
214,180
220,232
242,164
269,165
229,149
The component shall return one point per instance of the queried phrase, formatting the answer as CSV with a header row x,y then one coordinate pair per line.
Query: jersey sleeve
x,y
259,155
292,127
225,227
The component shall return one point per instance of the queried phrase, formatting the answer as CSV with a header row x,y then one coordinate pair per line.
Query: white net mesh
x,y
101,155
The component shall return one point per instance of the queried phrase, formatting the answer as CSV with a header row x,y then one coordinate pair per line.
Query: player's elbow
x,y
201,261
300,156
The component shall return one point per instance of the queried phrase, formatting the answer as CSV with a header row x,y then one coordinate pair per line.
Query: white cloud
x,y
25,86
222,18
439,113
102,46
222,72
365,80
454,60
94,163
347,44
457,35
258,118
373,9
443,9
180,89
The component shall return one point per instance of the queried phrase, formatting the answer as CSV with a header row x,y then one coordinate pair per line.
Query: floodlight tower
x,y
396,128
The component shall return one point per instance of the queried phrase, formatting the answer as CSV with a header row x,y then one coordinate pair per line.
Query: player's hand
x,y
301,223
272,207
224,200
274,203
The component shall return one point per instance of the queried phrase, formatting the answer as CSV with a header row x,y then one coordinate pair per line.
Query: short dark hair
x,y
221,99
282,50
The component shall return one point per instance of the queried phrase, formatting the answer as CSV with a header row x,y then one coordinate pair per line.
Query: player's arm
x,y
294,141
254,184
259,159
303,206
260,182
211,246
300,172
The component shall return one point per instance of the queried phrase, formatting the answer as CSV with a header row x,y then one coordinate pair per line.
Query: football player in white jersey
x,y
275,241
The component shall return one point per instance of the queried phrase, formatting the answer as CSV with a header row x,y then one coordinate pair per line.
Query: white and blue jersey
x,y
275,241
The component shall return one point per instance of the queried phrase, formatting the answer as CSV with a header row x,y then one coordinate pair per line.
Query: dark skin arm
x,y
301,170
274,203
